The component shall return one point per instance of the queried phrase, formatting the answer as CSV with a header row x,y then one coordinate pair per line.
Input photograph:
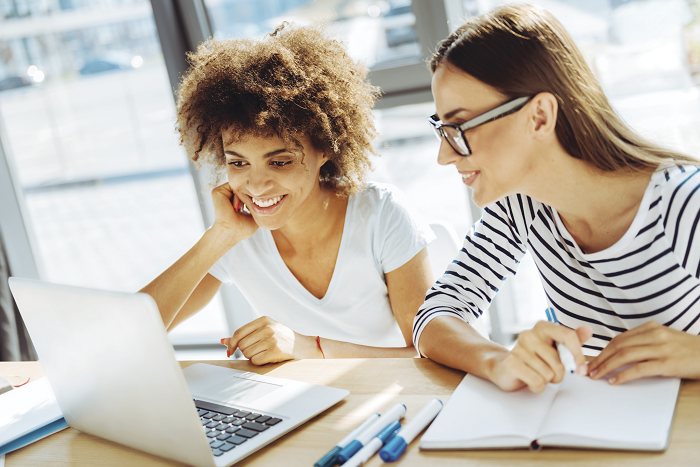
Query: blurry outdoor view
x,y
88,119
378,33
87,113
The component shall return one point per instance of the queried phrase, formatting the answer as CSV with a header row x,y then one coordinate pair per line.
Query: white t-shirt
x,y
381,233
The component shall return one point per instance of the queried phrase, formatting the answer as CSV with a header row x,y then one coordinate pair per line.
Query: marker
x,y
565,355
394,448
330,458
390,416
374,445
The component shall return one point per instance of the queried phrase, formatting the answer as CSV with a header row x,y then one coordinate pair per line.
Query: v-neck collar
x,y
291,279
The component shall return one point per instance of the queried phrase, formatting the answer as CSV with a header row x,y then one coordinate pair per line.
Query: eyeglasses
x,y
454,134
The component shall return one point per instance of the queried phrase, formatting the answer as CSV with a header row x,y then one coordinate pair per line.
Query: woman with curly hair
x,y
610,219
333,266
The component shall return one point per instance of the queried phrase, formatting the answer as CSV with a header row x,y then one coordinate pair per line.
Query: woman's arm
x,y
491,252
264,340
407,286
533,362
185,287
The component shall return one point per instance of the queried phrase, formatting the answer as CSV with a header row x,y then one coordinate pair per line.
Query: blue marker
x,y
393,414
394,448
565,355
371,448
330,458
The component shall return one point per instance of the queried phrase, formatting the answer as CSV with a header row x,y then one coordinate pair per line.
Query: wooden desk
x,y
374,384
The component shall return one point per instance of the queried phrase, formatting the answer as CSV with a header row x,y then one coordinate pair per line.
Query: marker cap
x,y
388,433
393,449
348,451
329,459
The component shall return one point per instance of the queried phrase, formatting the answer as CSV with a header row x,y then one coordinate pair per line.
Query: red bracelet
x,y
318,342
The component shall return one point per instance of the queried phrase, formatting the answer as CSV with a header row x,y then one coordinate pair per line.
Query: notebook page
x,y
27,408
593,413
480,415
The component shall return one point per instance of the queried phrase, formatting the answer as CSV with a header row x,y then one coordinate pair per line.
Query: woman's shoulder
x,y
377,190
673,176
678,191
519,208
677,183
386,206
379,195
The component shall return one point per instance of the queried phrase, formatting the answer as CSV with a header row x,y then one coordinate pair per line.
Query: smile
x,y
267,202
468,178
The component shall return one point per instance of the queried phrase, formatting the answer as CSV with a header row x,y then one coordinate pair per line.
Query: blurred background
x,y
95,190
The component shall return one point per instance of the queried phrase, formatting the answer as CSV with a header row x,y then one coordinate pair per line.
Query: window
x,y
88,129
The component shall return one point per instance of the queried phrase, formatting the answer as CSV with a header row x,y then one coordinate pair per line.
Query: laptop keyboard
x,y
227,427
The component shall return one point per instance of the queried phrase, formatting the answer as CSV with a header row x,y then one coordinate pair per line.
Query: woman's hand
x,y
229,217
534,361
653,350
264,340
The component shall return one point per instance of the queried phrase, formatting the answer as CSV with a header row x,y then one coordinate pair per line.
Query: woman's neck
x,y
318,219
596,207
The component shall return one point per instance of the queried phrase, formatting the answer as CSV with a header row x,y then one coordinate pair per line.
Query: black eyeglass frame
x,y
501,111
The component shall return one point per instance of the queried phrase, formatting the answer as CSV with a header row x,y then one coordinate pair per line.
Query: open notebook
x,y
579,412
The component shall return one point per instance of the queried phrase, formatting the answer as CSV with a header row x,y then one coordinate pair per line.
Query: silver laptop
x,y
114,374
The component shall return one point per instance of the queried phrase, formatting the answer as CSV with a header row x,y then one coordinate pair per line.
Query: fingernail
x,y
612,380
593,373
582,370
222,341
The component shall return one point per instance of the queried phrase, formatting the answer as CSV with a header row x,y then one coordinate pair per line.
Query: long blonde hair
x,y
523,50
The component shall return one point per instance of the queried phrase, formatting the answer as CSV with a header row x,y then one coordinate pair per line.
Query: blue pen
x,y
330,458
371,448
565,355
390,416
394,448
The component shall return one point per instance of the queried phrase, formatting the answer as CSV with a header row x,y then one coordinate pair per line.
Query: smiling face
x,y
275,182
502,151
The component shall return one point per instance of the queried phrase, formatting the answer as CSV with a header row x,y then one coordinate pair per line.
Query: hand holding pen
x,y
535,361
565,355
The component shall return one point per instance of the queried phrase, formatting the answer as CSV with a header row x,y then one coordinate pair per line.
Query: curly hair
x,y
294,82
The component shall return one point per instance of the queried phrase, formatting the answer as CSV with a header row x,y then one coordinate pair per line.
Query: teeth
x,y
466,176
266,203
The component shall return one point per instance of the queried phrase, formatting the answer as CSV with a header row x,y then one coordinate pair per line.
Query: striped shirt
x,y
651,274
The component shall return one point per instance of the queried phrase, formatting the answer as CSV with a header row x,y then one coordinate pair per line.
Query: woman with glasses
x,y
610,219
332,266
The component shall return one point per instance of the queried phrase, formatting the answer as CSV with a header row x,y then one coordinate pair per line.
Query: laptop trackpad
x,y
238,390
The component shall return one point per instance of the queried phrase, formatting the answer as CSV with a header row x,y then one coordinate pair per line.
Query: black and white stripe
x,y
651,274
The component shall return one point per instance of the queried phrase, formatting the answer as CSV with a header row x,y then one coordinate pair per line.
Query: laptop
x,y
114,374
